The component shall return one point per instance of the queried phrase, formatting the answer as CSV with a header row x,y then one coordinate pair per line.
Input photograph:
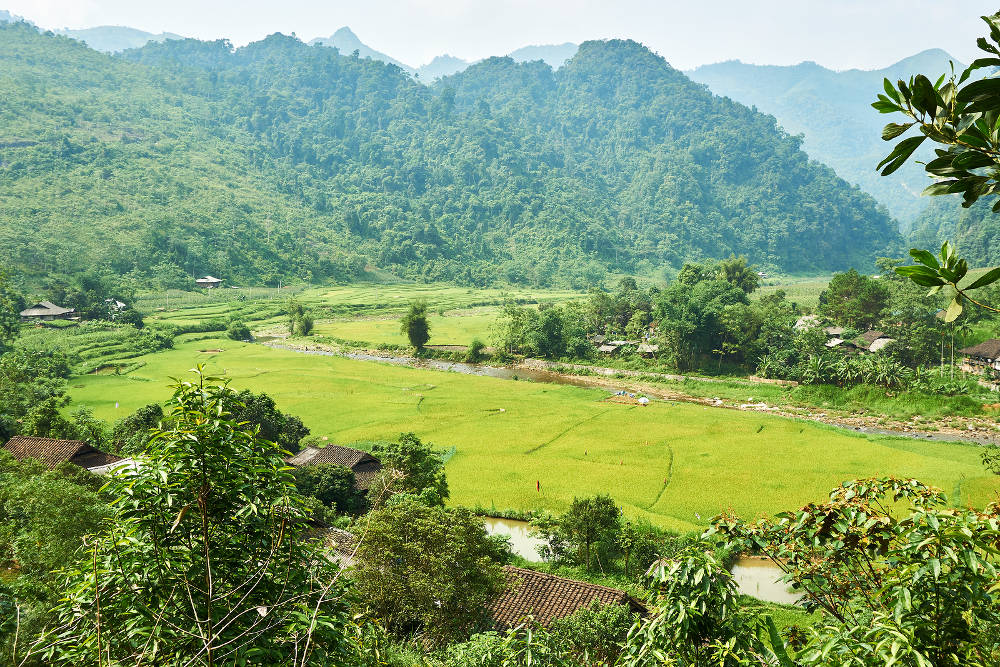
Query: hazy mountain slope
x,y
554,55
832,110
113,38
441,66
345,41
283,159
976,229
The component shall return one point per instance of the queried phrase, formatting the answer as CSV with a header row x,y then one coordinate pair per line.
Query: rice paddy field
x,y
522,445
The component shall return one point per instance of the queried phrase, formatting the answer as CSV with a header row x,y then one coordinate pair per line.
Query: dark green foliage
x,y
130,316
854,300
131,434
329,483
260,410
420,468
29,379
212,510
975,230
44,516
475,352
304,325
282,160
596,633
415,325
237,330
428,568
11,303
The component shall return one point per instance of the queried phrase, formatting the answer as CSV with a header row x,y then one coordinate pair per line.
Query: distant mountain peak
x,y
345,41
116,38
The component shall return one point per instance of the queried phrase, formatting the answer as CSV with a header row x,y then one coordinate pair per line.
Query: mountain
x,y
441,66
554,55
832,110
345,41
7,17
975,230
278,159
114,38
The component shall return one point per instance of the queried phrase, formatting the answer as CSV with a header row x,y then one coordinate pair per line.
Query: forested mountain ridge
x,y
282,159
833,111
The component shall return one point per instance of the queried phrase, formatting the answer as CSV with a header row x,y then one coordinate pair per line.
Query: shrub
x,y
237,330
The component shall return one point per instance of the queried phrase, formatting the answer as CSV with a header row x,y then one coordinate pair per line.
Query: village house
x,y
208,282
362,464
46,310
982,358
52,452
546,597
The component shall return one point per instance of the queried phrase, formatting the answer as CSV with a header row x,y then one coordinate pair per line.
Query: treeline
x,y
708,320
282,160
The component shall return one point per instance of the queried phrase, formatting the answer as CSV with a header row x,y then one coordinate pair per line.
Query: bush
x,y
237,330
475,352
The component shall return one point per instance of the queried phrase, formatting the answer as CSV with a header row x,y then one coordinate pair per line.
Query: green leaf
x,y
924,257
954,310
986,279
904,149
973,160
893,130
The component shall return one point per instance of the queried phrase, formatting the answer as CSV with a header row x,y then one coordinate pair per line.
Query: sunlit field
x,y
677,464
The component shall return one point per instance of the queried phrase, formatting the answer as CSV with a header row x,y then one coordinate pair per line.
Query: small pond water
x,y
519,532
761,578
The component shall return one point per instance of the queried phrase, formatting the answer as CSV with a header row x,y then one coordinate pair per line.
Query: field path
x,y
568,429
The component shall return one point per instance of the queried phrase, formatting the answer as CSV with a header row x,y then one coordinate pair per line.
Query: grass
x,y
677,464
454,328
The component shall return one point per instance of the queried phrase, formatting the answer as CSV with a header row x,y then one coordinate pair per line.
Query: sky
x,y
840,34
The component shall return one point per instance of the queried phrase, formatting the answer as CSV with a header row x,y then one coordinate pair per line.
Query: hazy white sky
x,y
840,34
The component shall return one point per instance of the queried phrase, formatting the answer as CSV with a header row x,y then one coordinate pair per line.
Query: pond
x,y
519,532
760,578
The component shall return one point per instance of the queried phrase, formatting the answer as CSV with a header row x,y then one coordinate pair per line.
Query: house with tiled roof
x,y
45,310
52,452
982,358
364,465
546,597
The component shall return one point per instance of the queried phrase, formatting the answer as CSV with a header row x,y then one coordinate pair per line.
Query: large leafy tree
x,y
417,468
854,300
206,560
415,325
963,117
428,568
896,574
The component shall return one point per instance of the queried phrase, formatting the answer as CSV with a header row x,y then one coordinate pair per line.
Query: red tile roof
x,y
364,465
546,597
52,452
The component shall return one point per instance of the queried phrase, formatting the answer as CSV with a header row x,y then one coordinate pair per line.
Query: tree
x,y
27,379
735,271
237,330
415,325
329,483
419,465
897,574
11,304
295,312
697,619
548,338
130,435
206,560
130,316
260,410
854,300
960,115
592,522
428,568
304,325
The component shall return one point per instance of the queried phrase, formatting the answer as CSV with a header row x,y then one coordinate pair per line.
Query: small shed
x,y
647,349
46,310
208,282
608,348
806,322
364,465
546,597
52,452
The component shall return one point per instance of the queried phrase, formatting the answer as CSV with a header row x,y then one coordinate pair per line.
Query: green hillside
x,y
285,160
832,110
976,229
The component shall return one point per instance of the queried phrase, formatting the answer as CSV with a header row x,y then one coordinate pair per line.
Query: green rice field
x,y
677,464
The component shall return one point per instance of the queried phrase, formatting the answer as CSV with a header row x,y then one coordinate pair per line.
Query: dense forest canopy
x,y
282,160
